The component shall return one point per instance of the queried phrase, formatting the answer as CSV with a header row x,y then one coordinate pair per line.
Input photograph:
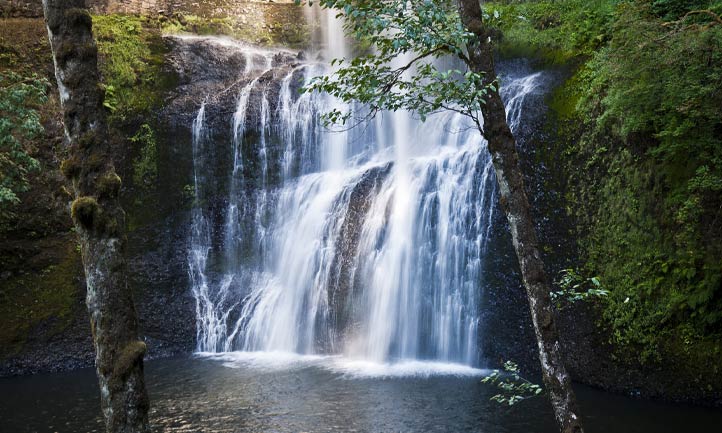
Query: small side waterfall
x,y
369,243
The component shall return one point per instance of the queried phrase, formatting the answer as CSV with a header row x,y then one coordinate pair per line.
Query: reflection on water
x,y
289,393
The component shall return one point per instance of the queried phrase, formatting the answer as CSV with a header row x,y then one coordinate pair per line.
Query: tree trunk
x,y
515,203
99,219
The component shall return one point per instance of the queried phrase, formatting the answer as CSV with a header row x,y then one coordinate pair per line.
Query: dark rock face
x,y
341,288
159,277
211,70
589,356
507,332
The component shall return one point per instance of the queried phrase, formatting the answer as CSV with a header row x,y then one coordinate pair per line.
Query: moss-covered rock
x,y
70,167
108,185
131,58
85,212
285,32
44,295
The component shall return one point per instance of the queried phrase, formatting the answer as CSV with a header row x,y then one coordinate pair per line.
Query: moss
x,y
94,162
88,140
108,225
564,99
78,17
109,185
85,211
131,59
661,292
550,31
292,34
46,297
70,167
64,51
126,360
145,166
640,224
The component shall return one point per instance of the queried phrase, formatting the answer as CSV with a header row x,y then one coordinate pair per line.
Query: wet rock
x,y
341,286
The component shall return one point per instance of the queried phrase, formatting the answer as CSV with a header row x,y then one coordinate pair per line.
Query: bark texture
x,y
98,218
515,204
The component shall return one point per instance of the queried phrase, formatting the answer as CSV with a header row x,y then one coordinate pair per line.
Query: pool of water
x,y
260,392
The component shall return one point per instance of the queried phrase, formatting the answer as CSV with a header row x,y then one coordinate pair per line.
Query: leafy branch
x,y
514,388
406,69
19,123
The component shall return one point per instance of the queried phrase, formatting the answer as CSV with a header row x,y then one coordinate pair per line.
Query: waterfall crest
x,y
369,243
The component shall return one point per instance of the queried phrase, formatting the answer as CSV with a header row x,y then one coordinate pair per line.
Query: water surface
x,y
291,393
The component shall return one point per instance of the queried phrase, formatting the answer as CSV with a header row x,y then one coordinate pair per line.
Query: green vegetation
x,y
513,388
131,63
640,122
44,298
556,32
292,35
145,167
425,31
20,121
20,98
574,287
131,56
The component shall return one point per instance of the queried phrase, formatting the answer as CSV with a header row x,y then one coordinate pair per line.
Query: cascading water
x,y
369,243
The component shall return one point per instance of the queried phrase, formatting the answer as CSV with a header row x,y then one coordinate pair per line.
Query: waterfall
x,y
370,243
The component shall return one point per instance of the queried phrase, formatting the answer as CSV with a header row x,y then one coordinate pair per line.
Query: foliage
x,y
145,167
673,9
20,98
403,71
661,99
514,388
189,194
666,88
641,123
130,65
575,287
554,31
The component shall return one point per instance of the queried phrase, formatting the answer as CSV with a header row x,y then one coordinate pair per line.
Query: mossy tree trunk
x,y
515,204
98,218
